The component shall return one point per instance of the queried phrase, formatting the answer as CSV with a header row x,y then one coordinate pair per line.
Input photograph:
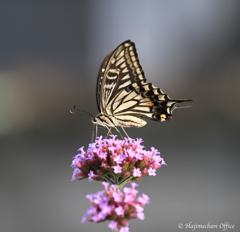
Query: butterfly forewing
x,y
120,69
100,77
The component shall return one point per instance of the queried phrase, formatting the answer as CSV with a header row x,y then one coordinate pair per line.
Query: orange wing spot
x,y
149,101
163,117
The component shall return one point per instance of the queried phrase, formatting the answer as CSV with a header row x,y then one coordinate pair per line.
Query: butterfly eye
x,y
94,119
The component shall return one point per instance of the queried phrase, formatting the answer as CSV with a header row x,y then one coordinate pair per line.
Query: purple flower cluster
x,y
113,159
116,206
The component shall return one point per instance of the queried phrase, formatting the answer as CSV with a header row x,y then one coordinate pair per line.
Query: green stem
x,y
121,184
108,179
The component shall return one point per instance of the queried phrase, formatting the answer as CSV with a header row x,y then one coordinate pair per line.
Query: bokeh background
x,y
50,52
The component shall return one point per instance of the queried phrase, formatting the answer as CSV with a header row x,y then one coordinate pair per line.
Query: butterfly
x,y
123,95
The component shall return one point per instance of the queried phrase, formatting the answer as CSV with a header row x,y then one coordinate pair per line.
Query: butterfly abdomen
x,y
121,121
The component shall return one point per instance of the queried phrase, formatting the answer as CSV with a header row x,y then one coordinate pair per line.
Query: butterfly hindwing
x,y
143,100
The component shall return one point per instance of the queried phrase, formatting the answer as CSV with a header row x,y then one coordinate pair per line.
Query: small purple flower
x,y
117,197
131,153
83,219
96,218
90,175
144,199
113,187
119,210
139,156
154,151
81,149
128,198
134,191
113,137
140,216
98,200
134,185
117,169
89,196
106,209
152,172
90,156
103,155
92,210
118,159
105,184
75,171
136,172
139,208
127,190
124,229
113,225
163,162
112,149
102,216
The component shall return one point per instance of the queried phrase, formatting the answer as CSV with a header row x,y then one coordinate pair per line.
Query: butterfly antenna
x,y
75,108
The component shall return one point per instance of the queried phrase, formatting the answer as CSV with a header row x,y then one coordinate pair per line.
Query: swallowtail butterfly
x,y
123,95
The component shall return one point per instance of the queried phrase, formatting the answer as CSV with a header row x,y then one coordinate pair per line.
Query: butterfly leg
x,y
118,132
124,132
109,132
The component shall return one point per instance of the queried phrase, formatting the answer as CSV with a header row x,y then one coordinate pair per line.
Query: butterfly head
x,y
97,120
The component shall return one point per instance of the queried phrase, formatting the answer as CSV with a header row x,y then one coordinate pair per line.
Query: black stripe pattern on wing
x,y
119,69
144,100
123,95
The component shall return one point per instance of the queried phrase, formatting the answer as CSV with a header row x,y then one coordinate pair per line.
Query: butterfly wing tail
x,y
178,104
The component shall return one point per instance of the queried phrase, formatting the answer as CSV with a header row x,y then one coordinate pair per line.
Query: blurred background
x,y
50,53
